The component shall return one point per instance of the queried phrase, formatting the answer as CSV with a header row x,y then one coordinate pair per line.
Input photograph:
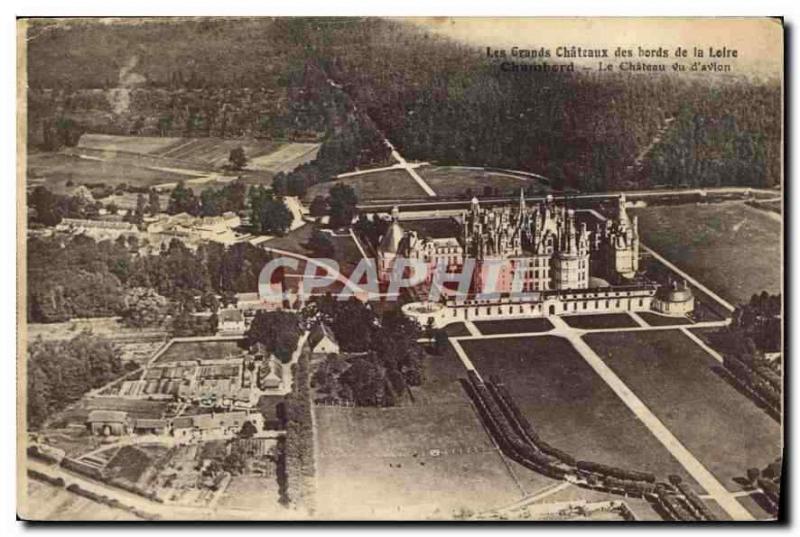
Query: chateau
x,y
539,248
535,260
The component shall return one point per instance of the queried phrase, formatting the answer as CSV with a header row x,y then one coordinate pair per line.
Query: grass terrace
x,y
681,385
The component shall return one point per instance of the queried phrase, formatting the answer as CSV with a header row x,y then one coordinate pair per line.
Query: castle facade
x,y
541,247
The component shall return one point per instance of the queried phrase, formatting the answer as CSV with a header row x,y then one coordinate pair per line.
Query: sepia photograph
x,y
474,269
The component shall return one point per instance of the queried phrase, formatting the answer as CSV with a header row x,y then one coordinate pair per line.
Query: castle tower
x,y
571,262
389,247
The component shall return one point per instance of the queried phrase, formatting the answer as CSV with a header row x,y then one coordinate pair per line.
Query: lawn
x,y
377,462
733,249
200,350
600,320
456,329
453,181
679,382
416,488
569,405
256,493
400,431
654,319
48,502
386,184
514,326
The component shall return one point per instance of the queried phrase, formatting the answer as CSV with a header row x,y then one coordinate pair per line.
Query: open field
x,y
454,181
205,152
678,381
600,320
55,170
255,493
400,431
143,145
285,158
386,463
200,350
513,326
48,502
569,405
413,487
386,184
733,249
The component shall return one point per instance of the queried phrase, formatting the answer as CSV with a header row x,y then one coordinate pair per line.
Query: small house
x,y
322,340
231,321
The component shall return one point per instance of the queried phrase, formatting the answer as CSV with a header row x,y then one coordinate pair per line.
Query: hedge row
x,y
111,502
35,452
696,502
760,387
674,507
519,440
772,492
56,481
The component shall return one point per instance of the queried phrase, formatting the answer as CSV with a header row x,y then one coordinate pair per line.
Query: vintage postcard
x,y
473,269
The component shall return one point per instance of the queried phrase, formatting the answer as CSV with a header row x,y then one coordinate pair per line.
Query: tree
x,y
45,203
278,331
61,372
367,382
320,243
210,202
343,201
153,202
280,185
319,206
143,307
247,430
182,200
237,158
752,475
440,342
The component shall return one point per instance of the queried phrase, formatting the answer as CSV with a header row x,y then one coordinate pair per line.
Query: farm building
x,y
214,426
108,422
150,426
231,321
322,340
272,375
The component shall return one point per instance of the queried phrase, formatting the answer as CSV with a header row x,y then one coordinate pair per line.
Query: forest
x,y
60,372
78,277
350,80
386,359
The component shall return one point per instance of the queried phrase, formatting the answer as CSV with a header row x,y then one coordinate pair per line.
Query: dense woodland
x,y
384,356
79,277
60,372
348,80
